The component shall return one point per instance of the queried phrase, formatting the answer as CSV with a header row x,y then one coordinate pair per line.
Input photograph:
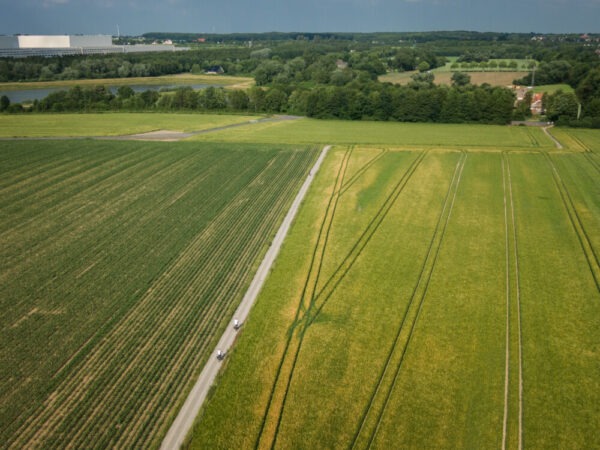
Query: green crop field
x,y
121,264
436,298
109,124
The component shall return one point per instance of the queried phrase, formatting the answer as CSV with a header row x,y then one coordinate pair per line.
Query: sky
x,y
135,17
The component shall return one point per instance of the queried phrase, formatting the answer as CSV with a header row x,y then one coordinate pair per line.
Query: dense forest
x,y
335,75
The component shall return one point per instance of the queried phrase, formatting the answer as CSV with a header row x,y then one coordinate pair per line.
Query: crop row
x,y
145,361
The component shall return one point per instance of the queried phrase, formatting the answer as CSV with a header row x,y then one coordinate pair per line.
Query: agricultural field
x,y
110,124
407,135
121,264
430,298
181,79
494,78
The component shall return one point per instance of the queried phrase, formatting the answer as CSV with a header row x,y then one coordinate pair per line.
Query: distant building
x,y
215,70
536,104
341,64
61,45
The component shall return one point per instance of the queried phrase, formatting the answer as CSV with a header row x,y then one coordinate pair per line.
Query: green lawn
x,y
109,124
384,323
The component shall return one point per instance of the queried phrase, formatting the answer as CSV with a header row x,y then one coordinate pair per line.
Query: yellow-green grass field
x,y
427,299
183,79
121,264
394,134
109,124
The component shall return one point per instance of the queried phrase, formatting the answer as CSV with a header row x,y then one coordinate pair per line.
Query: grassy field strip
x,y
141,351
409,136
581,179
284,371
560,311
413,309
322,296
440,398
512,296
110,124
445,217
590,155
582,235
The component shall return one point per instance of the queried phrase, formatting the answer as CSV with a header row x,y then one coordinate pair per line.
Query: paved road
x,y
185,419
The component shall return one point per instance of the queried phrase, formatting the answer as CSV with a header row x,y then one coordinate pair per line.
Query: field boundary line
x,y
184,420
460,168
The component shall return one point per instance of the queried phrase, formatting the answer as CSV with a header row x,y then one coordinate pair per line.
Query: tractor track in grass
x,y
361,171
511,234
587,153
316,261
346,264
460,167
369,406
344,267
576,223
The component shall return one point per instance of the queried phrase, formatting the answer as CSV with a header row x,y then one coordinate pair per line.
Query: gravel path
x,y
558,144
185,419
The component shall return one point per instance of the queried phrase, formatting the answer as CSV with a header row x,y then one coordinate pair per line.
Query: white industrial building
x,y
60,45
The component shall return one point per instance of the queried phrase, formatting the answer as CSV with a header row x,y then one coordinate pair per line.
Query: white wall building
x,y
32,45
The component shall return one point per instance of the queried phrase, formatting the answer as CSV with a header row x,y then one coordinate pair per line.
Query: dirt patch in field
x,y
158,135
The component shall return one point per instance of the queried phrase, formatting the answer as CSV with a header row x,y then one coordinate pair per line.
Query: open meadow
x,y
110,124
121,264
430,298
389,134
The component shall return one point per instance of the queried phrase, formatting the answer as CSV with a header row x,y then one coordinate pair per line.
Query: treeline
x,y
421,101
